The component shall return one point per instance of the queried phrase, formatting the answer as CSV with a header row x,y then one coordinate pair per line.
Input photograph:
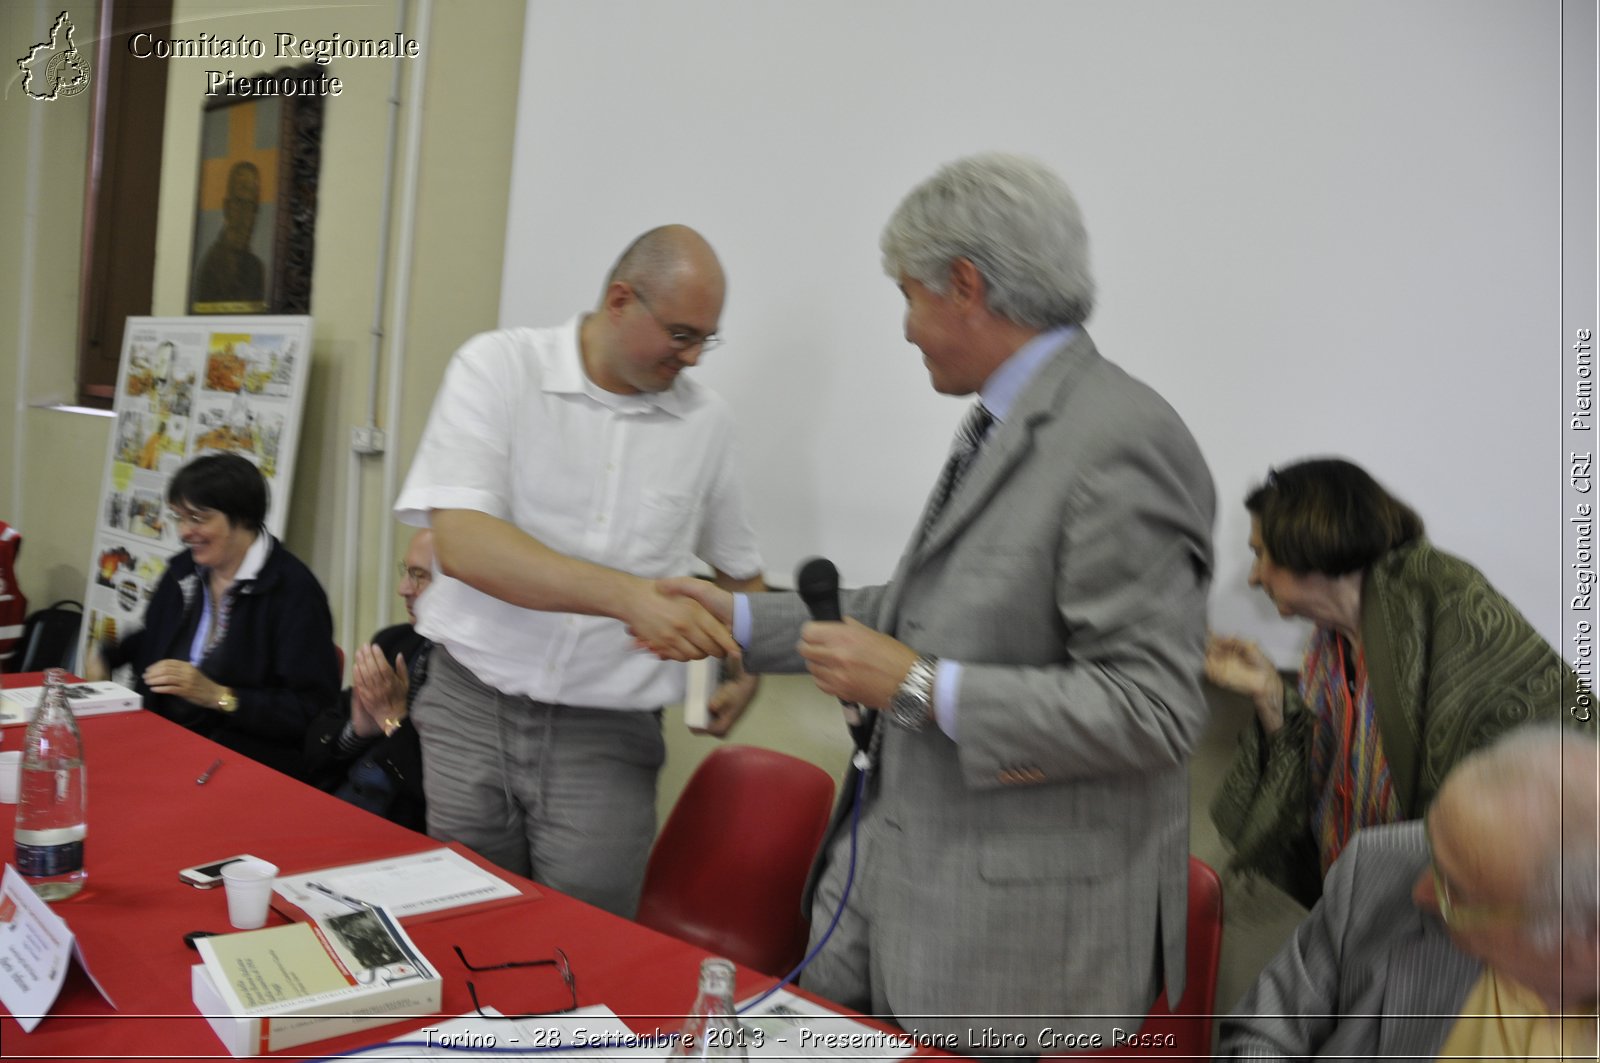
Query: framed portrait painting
x,y
255,217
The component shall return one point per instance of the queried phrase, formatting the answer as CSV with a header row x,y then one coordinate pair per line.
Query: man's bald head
x,y
1513,839
658,314
666,256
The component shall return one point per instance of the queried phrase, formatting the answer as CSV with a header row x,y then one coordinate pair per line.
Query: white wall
x,y
1317,228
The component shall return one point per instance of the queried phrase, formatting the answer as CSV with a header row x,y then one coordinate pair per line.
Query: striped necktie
x,y
969,437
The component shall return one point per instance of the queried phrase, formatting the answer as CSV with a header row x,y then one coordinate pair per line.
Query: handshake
x,y
682,619
685,619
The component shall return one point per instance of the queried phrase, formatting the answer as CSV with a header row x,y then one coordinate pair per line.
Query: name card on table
x,y
36,947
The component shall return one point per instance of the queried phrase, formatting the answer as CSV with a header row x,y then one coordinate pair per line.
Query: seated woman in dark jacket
x,y
237,642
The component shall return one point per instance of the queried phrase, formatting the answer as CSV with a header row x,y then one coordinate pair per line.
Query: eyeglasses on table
x,y
562,967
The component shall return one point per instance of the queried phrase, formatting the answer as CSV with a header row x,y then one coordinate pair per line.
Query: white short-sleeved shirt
x,y
641,483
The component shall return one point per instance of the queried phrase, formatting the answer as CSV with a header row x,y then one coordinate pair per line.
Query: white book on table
x,y
285,986
86,699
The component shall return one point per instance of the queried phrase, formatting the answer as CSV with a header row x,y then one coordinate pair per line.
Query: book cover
x,y
284,986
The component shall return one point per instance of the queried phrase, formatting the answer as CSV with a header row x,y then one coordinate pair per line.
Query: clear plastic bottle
x,y
711,1030
52,801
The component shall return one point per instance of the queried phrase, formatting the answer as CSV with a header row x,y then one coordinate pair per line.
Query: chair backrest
x,y
1185,1031
13,603
50,637
730,864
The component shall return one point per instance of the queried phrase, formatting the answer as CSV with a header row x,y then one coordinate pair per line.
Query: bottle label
x,y
47,861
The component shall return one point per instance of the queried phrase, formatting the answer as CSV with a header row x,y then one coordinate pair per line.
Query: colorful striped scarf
x,y
1350,786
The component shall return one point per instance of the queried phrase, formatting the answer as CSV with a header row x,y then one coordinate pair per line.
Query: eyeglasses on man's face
x,y
559,962
1469,917
1466,918
421,577
682,337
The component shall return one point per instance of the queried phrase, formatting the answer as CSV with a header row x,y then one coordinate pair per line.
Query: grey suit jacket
x,y
1038,864
1367,974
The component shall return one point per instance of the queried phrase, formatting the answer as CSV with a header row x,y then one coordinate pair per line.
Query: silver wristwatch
x,y
912,704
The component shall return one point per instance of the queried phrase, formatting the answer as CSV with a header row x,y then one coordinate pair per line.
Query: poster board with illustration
x,y
187,386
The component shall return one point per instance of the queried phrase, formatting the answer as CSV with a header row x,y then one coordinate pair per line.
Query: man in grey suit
x,y
1458,936
1035,660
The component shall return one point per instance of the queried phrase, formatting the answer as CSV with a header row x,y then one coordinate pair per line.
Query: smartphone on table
x,y
209,876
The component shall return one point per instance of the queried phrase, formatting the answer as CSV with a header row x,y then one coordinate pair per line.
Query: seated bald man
x,y
1472,934
363,748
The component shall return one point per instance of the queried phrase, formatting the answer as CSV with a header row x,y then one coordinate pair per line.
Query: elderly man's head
x,y
416,570
988,251
1013,218
1513,838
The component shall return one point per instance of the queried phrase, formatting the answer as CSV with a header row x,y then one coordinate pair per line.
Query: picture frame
x,y
256,200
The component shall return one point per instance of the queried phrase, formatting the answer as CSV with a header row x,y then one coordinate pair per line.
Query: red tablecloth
x,y
148,819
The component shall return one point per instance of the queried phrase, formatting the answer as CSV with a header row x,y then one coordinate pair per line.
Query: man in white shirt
x,y
562,471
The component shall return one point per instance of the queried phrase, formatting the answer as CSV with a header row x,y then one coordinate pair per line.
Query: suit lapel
x,y
1431,978
1010,441
989,470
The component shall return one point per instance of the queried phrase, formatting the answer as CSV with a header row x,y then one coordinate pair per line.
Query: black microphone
x,y
817,580
818,583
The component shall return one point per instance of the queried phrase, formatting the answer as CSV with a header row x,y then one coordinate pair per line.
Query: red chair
x,y
1187,1031
729,866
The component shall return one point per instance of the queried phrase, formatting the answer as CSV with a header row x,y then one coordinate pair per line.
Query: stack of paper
x,y
435,880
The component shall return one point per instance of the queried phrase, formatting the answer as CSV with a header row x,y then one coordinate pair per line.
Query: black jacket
x,y
398,795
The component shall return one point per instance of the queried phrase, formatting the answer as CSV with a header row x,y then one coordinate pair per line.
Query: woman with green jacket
x,y
1415,661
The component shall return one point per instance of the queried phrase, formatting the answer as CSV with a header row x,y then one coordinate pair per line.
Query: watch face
x,y
912,704
909,711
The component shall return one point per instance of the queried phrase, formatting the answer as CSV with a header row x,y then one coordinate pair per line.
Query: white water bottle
x,y
51,800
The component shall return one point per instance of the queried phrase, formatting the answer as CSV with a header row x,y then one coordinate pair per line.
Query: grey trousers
x,y
561,794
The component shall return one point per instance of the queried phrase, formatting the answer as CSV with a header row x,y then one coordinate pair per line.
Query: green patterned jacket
x,y
1451,664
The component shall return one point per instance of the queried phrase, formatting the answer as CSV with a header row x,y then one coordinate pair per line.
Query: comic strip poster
x,y
188,386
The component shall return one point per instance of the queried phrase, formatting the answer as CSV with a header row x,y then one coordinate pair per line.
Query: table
x,y
148,818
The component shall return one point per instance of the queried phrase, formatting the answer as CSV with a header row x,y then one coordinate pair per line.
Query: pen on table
x,y
354,902
205,776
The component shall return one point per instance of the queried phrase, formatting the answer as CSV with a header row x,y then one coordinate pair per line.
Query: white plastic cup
x,y
249,887
10,775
